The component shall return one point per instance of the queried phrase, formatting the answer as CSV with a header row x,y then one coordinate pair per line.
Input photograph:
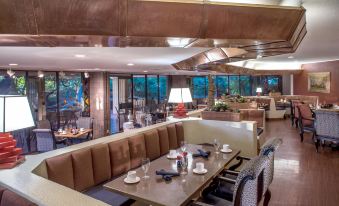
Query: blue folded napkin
x,y
202,153
167,176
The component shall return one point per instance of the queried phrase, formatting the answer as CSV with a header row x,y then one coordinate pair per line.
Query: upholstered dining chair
x,y
295,118
326,127
86,123
46,140
305,120
225,190
248,186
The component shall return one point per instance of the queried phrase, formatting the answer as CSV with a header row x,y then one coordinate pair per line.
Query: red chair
x,y
305,120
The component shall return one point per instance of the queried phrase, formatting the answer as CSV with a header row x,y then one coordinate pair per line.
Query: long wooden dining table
x,y
180,190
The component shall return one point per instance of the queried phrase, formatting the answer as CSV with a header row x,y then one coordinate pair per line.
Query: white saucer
x,y
226,151
199,172
132,181
171,157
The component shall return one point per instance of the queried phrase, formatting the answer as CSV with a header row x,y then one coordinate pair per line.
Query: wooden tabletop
x,y
70,135
181,189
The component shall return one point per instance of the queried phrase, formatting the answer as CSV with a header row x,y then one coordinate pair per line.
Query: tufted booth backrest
x,y
85,168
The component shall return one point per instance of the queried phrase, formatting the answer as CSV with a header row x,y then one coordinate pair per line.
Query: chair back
x,y
268,149
45,140
85,122
327,124
305,113
44,124
249,186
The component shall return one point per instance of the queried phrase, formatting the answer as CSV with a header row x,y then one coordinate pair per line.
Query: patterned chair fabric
x,y
268,150
327,125
248,188
87,123
44,124
45,140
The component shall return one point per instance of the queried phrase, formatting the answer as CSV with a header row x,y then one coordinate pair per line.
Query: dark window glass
x,y
163,85
139,91
273,84
245,85
152,89
221,83
234,85
15,85
50,92
200,87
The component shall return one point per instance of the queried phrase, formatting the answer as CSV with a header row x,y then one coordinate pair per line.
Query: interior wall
x,y
179,81
97,102
301,81
286,84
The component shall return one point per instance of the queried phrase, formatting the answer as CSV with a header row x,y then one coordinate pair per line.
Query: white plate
x,y
132,181
172,157
199,172
226,151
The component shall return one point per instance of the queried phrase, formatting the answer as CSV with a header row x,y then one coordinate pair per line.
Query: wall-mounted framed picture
x,y
319,82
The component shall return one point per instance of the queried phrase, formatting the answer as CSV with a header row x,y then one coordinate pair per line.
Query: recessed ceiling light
x,y
145,71
130,64
13,64
290,57
80,55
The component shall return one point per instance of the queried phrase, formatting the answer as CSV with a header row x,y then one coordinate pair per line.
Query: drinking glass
x,y
145,164
183,146
184,165
216,144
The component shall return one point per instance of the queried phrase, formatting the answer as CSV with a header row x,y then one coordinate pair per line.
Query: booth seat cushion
x,y
120,157
137,149
60,170
180,132
164,141
152,144
101,163
111,198
10,198
172,136
82,169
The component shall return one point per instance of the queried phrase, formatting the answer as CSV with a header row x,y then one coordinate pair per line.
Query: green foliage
x,y
220,107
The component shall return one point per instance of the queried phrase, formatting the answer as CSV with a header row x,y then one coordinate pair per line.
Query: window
x,y
163,88
234,85
200,87
245,86
15,85
51,93
152,89
70,93
221,85
273,83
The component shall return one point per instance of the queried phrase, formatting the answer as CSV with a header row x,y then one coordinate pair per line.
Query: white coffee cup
x,y
199,166
60,130
225,147
64,132
132,175
172,153
82,129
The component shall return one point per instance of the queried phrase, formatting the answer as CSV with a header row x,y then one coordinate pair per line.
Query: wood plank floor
x,y
302,176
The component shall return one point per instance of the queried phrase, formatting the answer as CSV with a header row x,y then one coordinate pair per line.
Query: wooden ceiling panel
x,y
17,17
239,22
77,17
163,19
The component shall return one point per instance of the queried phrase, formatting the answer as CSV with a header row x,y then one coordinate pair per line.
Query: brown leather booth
x,y
90,167
10,198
